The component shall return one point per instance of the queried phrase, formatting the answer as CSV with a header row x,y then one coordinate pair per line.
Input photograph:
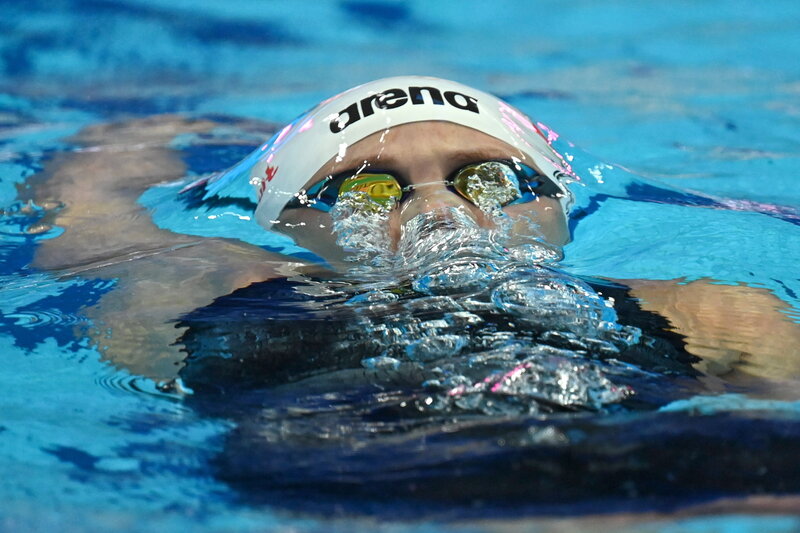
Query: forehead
x,y
437,141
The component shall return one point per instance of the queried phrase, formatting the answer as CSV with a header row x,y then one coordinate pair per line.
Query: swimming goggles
x,y
496,182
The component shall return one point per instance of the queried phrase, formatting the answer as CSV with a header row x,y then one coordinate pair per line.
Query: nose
x,y
427,198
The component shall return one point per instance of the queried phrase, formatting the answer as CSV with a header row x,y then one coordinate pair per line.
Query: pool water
x,y
682,121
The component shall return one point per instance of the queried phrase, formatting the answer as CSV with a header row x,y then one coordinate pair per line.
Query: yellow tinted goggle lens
x,y
475,181
381,188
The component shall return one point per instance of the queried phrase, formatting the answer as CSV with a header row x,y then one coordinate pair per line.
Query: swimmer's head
x,y
405,146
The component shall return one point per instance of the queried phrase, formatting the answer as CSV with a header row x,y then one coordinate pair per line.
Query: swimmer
x,y
418,145
397,148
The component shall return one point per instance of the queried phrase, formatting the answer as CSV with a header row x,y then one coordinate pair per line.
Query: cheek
x,y
309,228
303,221
546,213
395,223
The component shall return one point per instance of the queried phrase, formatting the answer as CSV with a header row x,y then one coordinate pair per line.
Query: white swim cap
x,y
281,167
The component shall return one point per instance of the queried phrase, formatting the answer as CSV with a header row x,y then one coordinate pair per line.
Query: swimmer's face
x,y
423,153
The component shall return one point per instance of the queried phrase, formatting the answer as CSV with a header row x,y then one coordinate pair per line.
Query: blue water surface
x,y
682,120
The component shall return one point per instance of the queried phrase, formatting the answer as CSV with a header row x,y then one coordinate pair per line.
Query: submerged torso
x,y
522,325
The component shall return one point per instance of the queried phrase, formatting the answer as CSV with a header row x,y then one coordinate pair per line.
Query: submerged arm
x,y
738,331
159,275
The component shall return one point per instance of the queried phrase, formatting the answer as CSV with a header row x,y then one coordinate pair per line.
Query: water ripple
x,y
48,317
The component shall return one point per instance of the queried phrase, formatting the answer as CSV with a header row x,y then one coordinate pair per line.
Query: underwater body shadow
x,y
317,431
608,464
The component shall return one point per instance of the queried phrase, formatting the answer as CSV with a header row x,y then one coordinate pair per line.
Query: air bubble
x,y
380,362
435,347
